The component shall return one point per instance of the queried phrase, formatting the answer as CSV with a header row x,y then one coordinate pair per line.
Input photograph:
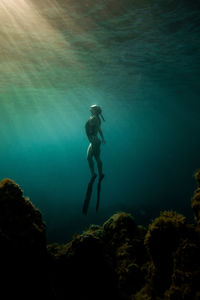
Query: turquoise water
x,y
138,60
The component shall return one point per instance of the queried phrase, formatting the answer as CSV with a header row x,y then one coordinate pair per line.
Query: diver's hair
x,y
102,117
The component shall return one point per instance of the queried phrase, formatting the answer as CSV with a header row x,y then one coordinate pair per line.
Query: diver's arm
x,y
101,134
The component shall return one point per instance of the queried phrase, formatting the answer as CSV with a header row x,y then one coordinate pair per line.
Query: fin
x,y
99,191
88,194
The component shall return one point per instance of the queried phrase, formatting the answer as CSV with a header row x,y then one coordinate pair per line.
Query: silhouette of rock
x,y
84,268
161,240
23,244
119,260
21,223
186,270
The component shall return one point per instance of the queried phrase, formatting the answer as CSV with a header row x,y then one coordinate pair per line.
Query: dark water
x,y
138,60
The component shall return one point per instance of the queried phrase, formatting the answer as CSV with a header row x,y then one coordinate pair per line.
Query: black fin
x,y
99,191
88,195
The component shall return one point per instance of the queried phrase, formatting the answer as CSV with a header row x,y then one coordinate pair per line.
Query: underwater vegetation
x,y
118,260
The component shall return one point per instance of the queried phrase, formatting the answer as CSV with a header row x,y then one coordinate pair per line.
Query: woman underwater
x,y
93,127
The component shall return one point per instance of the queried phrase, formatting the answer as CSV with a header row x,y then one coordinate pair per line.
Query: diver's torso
x,y
92,128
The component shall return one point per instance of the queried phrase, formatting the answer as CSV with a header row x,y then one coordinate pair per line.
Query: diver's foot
x,y
101,176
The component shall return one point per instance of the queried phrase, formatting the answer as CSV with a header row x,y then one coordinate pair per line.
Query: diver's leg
x,y
90,159
99,166
98,160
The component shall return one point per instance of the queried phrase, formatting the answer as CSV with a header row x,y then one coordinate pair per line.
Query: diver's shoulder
x,y
94,118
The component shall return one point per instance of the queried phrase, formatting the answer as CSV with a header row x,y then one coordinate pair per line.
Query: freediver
x,y
93,127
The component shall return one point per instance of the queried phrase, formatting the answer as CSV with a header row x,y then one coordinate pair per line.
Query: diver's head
x,y
96,110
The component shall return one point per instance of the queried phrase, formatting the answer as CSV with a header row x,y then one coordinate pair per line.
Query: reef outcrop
x,y
22,245
118,260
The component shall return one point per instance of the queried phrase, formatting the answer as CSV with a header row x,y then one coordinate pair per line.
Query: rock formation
x,y
118,260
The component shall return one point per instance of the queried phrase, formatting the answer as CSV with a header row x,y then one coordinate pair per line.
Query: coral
x,y
113,252
125,241
175,292
197,176
82,263
186,270
146,293
196,198
163,234
120,227
196,205
161,240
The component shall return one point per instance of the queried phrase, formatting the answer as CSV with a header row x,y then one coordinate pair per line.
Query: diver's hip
x,y
94,139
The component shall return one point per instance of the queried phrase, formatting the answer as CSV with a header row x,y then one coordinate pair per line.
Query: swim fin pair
x,y
89,193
